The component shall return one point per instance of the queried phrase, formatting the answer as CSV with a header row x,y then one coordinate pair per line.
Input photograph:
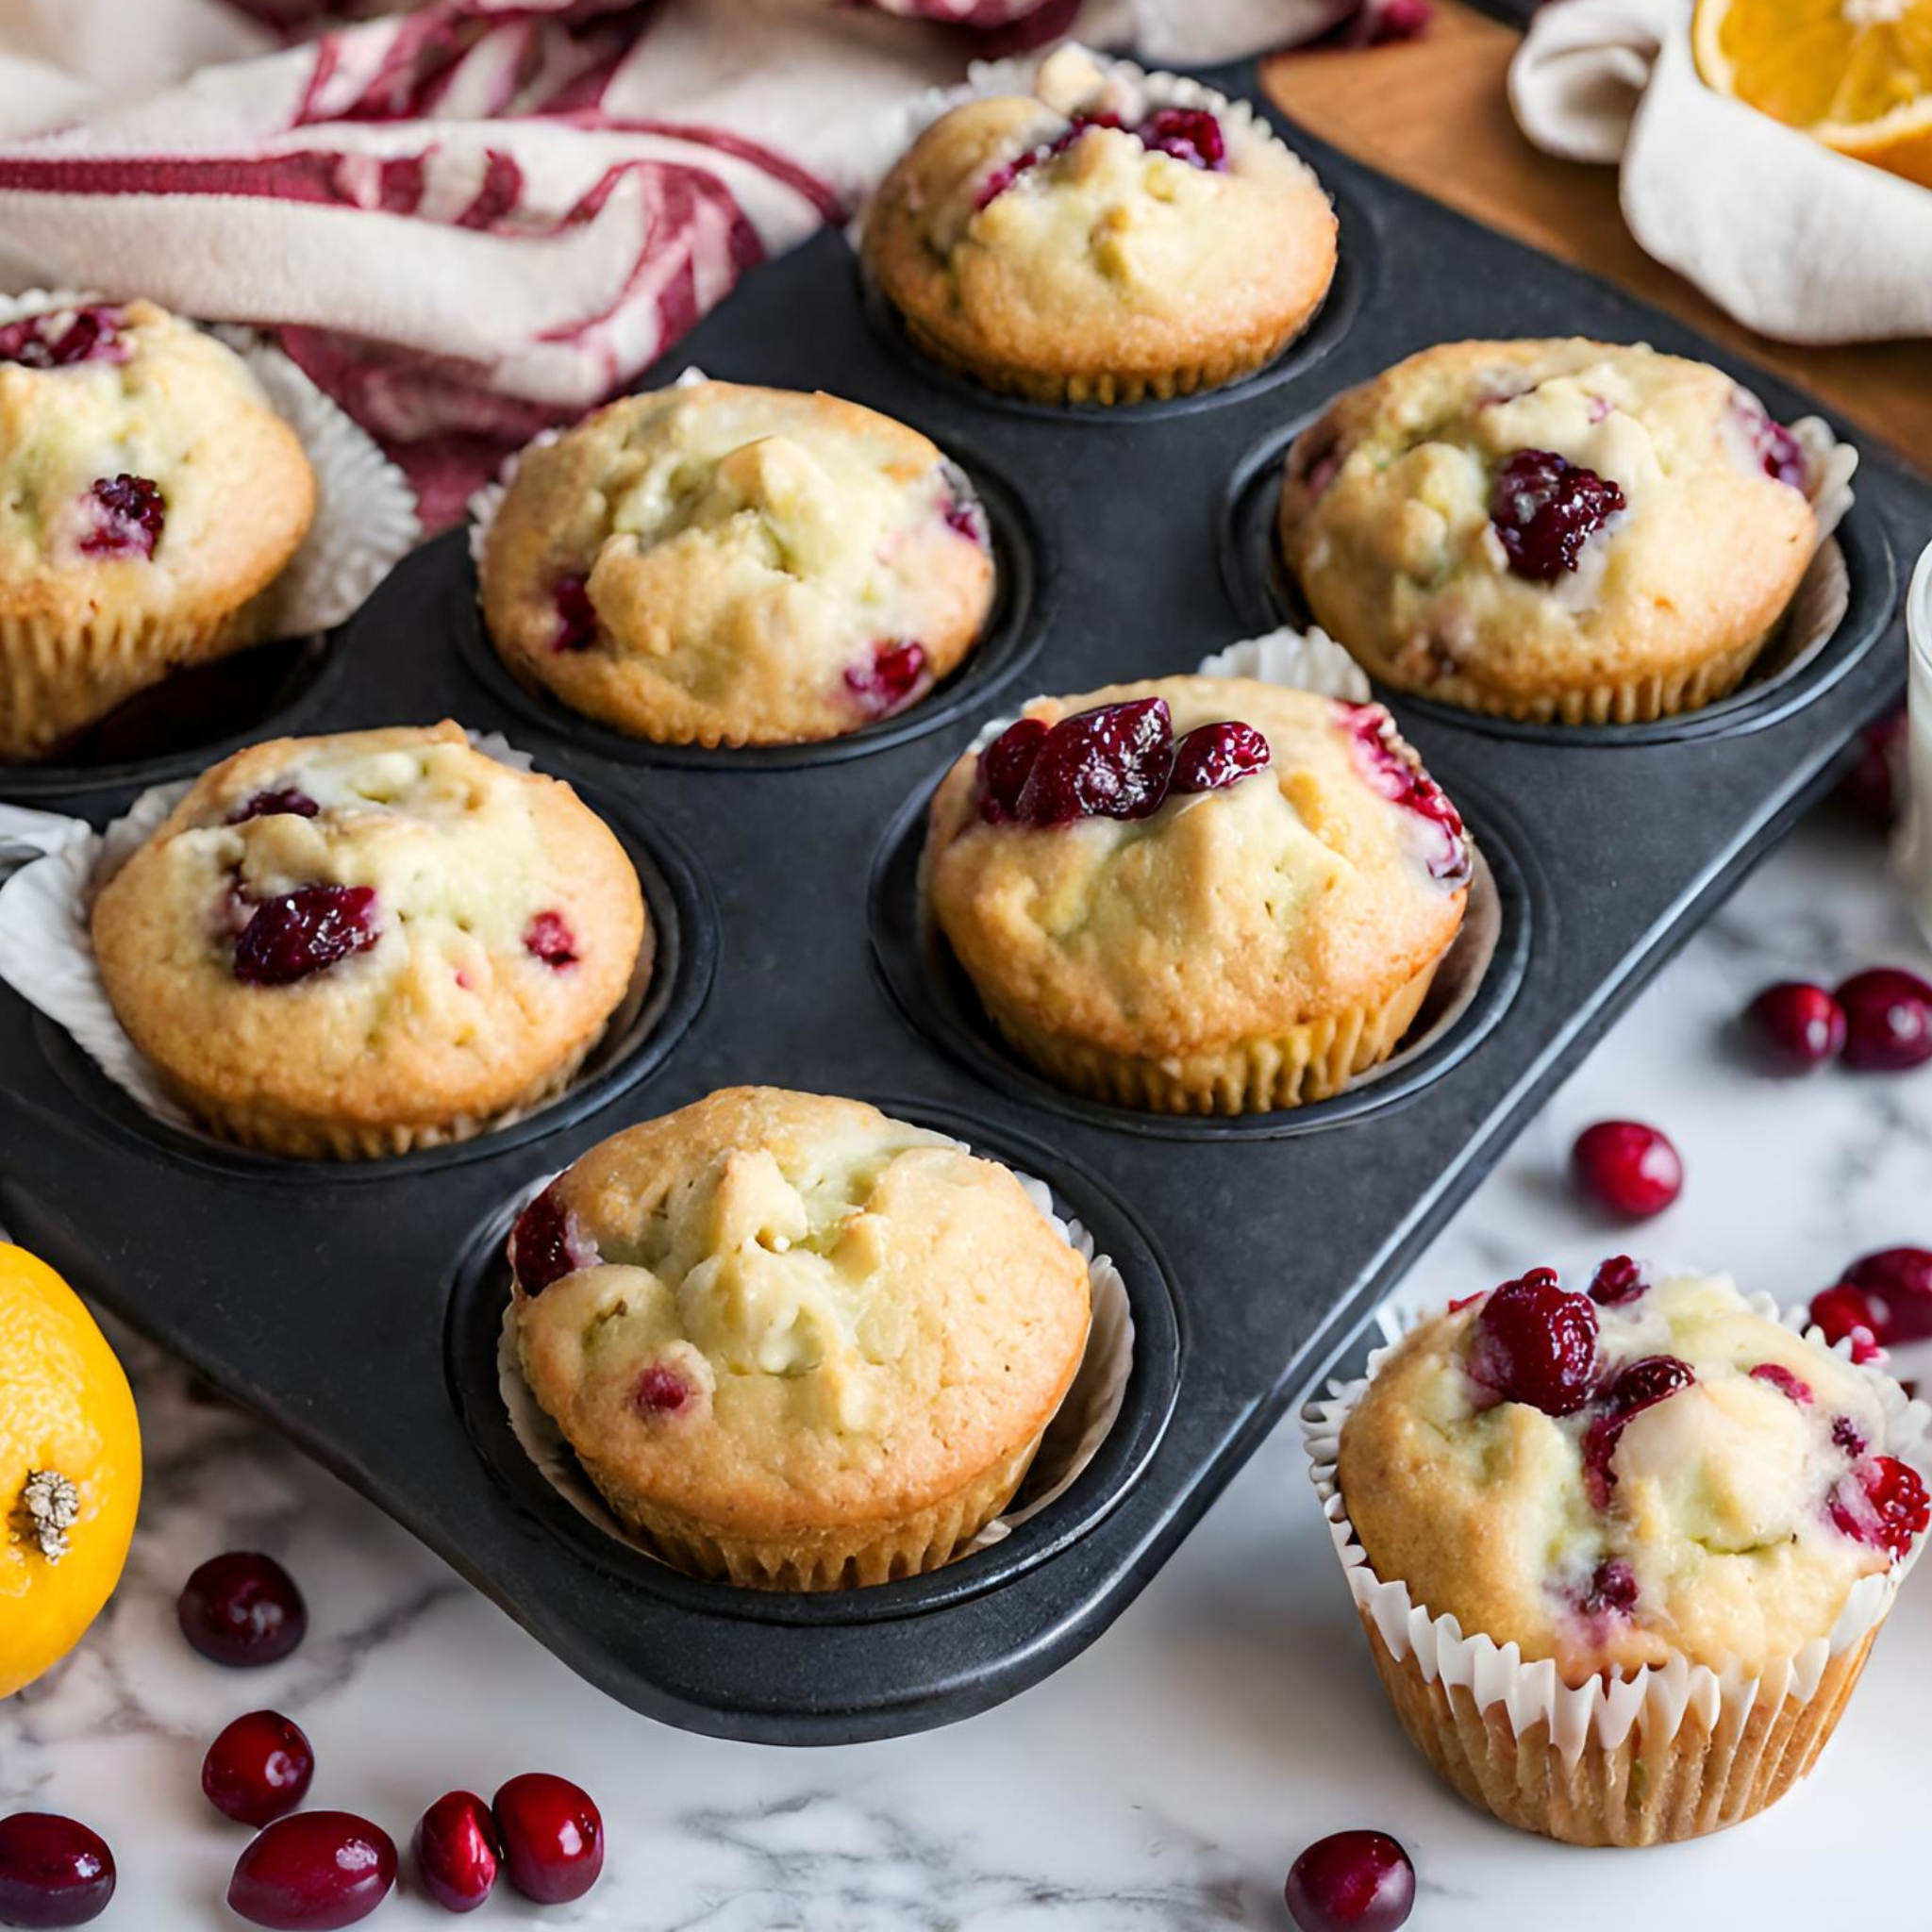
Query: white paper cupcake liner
x,y
1085,1419
365,511
1661,1696
46,942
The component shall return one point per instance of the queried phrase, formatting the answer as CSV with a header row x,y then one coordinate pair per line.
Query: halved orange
x,y
1855,74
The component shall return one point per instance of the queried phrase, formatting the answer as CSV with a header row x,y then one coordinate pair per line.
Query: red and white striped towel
x,y
473,217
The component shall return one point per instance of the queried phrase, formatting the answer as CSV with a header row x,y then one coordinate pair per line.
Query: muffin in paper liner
x,y
1100,360
47,957
977,1516
1662,1754
59,677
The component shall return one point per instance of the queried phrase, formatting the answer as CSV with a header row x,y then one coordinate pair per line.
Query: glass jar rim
x,y
1919,613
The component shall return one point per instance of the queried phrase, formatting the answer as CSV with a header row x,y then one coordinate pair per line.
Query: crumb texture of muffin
x,y
1107,237
1197,894
721,565
354,945
1565,530
794,1342
1624,1552
152,498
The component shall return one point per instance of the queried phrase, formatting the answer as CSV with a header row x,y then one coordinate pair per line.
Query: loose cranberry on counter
x,y
1629,1169
258,1768
313,1872
1796,1025
1356,1881
1882,1502
1545,507
53,1871
1845,1310
1535,1342
242,1608
458,1851
1888,1020
1896,1284
552,1835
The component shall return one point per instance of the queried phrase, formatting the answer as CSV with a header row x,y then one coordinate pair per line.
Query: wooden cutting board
x,y
1433,113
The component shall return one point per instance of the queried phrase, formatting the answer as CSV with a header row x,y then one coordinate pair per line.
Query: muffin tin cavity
x,y
1480,975
1013,632
181,725
1798,665
665,996
1356,276
473,1327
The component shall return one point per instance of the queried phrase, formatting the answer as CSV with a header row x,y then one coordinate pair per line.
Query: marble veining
x,y
1166,1777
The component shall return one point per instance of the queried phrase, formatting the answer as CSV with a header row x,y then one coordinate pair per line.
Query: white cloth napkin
x,y
1798,242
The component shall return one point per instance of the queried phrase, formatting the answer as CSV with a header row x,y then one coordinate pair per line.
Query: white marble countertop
x,y
1169,1776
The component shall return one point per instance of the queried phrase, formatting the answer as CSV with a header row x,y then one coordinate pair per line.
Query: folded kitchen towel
x,y
1797,242
468,219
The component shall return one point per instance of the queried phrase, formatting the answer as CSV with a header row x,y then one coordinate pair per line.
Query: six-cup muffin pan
x,y
358,1308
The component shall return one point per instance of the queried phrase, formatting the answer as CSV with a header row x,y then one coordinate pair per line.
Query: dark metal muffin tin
x,y
357,1307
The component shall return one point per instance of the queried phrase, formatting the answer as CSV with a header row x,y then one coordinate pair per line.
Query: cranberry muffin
x,y
796,1343
1107,237
1199,895
152,496
1617,1483
354,945
712,564
1562,530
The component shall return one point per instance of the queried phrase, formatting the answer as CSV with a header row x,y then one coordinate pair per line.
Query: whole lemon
x,y
69,1469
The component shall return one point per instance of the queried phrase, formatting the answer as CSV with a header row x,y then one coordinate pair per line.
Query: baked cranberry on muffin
x,y
151,495
796,1342
1565,530
714,564
1198,895
354,945
1630,1476
1107,237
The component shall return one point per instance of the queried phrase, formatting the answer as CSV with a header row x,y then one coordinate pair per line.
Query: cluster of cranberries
x,y
1883,1300
1878,1021
1117,761
1545,507
1189,134
308,1869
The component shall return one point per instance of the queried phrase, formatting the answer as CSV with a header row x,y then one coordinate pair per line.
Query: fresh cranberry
x,y
289,803
129,513
893,678
577,616
258,1768
1848,1311
1003,766
1780,453
53,1871
553,1837
1897,1286
1545,507
1616,1281
1637,1386
1189,134
962,517
1629,1169
546,1243
1883,1502
312,1872
1393,771
458,1851
1613,1591
1008,173
1213,757
1888,1020
242,1608
1112,762
661,1391
1798,1026
304,932
1356,1881
1875,785
1847,1436
1535,1342
89,334
548,938
1784,1382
